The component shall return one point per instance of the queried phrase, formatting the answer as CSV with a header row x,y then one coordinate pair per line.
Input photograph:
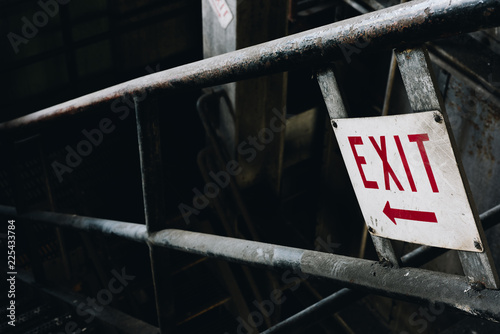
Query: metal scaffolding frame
x,y
402,26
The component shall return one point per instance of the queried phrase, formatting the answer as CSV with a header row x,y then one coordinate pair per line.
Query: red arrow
x,y
422,216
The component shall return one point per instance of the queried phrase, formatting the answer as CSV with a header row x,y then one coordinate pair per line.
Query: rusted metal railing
x,y
399,26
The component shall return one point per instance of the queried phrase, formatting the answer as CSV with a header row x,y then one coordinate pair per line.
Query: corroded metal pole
x,y
412,22
403,283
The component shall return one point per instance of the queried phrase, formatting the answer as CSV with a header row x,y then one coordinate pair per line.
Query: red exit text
x,y
381,148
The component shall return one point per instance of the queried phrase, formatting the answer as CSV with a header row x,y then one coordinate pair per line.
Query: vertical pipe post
x,y
337,109
148,133
424,96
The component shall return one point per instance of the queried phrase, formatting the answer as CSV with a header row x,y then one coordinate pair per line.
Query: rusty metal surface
x,y
415,21
418,80
336,109
403,283
331,94
475,120
421,87
341,298
137,232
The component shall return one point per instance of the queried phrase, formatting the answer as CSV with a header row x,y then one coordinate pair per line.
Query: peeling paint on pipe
x,y
403,283
409,23
129,231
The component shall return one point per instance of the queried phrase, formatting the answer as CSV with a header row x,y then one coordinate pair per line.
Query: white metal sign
x,y
222,11
407,180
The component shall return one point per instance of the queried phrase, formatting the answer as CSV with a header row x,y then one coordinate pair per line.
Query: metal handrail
x,y
404,282
399,26
409,23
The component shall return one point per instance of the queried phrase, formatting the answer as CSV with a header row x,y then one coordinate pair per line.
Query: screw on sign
x,y
406,179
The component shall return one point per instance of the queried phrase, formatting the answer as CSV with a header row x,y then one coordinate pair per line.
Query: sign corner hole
x,y
438,118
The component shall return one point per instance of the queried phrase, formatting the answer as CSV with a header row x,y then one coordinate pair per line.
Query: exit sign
x,y
222,12
407,181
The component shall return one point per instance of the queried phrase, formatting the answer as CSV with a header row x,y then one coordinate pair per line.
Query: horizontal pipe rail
x,y
129,231
337,301
403,283
413,22
409,23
